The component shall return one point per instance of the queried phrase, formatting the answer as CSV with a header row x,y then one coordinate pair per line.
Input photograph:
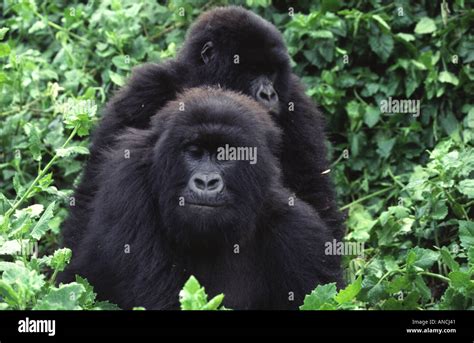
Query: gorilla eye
x,y
194,151
206,52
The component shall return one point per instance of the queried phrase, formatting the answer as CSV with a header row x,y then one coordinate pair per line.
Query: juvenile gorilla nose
x,y
267,95
206,183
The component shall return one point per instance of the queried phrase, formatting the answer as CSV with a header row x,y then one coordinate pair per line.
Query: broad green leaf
x,y
467,187
382,45
447,77
461,281
118,79
466,233
359,223
422,258
65,297
322,295
371,116
385,146
350,292
425,25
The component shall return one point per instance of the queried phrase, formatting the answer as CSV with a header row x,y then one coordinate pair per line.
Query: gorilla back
x,y
168,206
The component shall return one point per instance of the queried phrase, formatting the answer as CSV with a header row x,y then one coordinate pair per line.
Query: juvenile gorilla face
x,y
200,191
239,50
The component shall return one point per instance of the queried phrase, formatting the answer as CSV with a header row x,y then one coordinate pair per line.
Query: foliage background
x,y
406,185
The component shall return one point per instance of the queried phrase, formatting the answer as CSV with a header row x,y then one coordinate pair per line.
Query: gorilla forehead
x,y
213,111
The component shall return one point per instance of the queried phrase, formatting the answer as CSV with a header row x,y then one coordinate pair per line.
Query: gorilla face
x,y
201,196
238,50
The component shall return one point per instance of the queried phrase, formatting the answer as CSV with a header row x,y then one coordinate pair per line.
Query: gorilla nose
x,y
267,96
206,183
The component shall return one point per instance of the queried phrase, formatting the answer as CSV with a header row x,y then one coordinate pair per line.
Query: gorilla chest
x,y
240,278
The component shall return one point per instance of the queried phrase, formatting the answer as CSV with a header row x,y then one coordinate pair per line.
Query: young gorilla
x,y
238,50
181,211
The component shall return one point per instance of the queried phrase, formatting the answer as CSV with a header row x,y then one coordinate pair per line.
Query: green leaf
x,y
447,77
3,32
461,281
42,225
350,292
406,37
422,258
322,34
122,62
118,79
4,49
439,210
382,45
360,223
385,146
24,282
422,287
214,303
60,259
320,297
371,116
425,25
466,233
194,297
448,259
466,187
9,295
65,297
382,22
66,152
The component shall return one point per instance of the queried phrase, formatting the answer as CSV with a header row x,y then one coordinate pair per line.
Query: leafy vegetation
x,y
404,179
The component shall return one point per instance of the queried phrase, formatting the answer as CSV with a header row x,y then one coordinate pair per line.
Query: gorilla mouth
x,y
205,204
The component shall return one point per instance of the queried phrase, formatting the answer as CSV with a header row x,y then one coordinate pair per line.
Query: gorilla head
x,y
202,194
239,50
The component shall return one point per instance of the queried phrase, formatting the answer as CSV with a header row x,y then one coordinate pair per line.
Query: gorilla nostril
x,y
199,183
214,183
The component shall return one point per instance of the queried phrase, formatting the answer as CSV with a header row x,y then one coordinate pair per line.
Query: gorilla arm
x,y
303,158
295,259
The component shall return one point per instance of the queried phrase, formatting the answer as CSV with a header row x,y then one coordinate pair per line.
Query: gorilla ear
x,y
206,52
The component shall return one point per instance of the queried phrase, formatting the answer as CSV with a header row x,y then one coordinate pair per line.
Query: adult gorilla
x,y
238,50
174,209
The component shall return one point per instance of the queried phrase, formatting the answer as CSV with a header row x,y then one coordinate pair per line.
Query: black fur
x,y
261,51
281,247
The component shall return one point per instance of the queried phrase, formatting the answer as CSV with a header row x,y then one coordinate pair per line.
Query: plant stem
x,y
438,276
40,175
366,197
